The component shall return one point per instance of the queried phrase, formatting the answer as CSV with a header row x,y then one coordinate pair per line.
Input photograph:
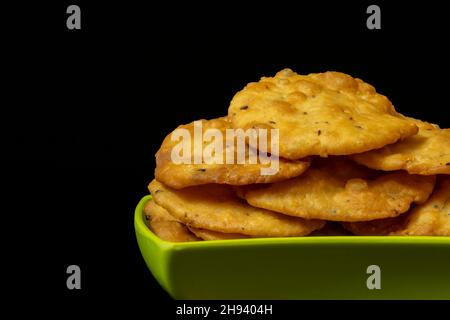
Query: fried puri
x,y
165,226
322,114
338,189
216,207
426,153
433,217
180,175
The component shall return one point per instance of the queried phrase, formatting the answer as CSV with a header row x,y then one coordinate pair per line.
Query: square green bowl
x,y
331,267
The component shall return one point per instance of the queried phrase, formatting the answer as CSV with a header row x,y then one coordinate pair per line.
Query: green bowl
x,y
331,267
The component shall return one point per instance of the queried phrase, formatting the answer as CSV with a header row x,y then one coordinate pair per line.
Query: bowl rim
x,y
141,227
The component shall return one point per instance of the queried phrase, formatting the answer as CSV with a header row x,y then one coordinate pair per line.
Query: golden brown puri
x,y
433,217
426,153
216,207
165,226
338,189
322,114
183,175
214,235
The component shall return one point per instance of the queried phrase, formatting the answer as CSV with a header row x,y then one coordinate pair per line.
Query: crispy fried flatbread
x,y
214,235
165,226
182,175
323,114
338,189
216,207
433,217
427,152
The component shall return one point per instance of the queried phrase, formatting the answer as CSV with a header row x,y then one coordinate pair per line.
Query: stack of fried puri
x,y
348,164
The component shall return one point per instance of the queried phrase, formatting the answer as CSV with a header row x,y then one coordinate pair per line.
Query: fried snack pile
x,y
347,164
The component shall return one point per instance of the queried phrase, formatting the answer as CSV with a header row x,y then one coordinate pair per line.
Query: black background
x,y
85,111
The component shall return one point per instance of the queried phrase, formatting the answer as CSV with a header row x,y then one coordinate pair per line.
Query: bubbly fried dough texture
x,y
433,217
214,235
338,189
165,226
323,114
183,175
216,207
427,152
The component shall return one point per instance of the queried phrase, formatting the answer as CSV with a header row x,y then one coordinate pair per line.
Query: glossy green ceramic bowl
x,y
298,268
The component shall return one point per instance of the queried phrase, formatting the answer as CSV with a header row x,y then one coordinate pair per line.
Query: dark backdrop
x,y
90,108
